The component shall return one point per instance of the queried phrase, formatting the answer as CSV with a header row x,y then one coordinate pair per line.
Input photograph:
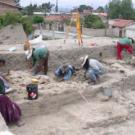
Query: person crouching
x,y
64,72
124,43
39,57
93,69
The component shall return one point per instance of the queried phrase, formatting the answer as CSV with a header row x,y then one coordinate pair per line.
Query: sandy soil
x,y
76,107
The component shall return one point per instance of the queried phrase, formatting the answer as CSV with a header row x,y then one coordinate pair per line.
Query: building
x,y
8,6
39,13
57,22
103,16
130,31
119,27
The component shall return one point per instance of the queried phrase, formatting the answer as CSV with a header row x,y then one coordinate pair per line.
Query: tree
x,y
121,9
38,19
29,9
84,7
47,7
127,10
93,21
100,9
114,9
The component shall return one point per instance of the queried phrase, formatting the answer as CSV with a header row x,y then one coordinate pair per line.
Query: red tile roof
x,y
103,14
122,23
56,17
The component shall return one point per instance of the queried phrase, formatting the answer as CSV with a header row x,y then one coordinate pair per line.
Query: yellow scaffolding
x,y
77,19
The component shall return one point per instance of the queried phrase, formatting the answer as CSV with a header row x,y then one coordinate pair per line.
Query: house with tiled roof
x,y
8,6
119,27
57,22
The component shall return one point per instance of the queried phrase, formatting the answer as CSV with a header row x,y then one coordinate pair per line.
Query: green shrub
x,y
98,25
11,18
14,18
38,19
93,21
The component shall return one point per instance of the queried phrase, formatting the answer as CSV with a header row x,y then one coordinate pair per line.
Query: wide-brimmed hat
x,y
84,59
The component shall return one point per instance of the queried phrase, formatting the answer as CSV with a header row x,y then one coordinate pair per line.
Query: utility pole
x,y
56,8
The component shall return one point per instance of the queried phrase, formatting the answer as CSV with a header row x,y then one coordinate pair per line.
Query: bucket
x,y
32,91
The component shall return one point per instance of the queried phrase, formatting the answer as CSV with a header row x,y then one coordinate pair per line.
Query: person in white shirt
x,y
93,68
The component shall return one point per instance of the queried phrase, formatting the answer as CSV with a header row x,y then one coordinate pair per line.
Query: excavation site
x,y
73,107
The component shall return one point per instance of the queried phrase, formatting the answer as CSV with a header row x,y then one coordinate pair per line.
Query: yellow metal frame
x,y
78,29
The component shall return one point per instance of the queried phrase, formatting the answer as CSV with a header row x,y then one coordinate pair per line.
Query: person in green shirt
x,y
124,43
39,58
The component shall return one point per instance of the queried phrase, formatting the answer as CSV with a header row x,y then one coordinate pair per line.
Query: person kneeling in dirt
x,y
39,57
10,111
4,85
93,68
64,72
124,43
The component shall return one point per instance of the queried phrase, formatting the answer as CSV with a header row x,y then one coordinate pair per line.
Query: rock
x,y
6,133
3,125
103,98
42,79
132,62
119,67
106,94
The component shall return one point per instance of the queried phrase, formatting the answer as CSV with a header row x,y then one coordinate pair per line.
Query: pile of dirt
x,y
12,34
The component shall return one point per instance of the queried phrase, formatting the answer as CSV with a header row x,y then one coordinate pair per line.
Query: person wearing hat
x,y
39,57
93,68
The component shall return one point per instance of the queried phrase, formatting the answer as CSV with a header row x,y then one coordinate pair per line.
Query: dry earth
x,y
74,107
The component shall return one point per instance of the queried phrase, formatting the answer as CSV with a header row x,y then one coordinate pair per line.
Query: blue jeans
x,y
93,74
66,76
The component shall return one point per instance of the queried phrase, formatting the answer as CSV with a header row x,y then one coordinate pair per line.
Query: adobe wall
x,y
17,61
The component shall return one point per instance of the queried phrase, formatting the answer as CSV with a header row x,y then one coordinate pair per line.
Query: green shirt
x,y
125,41
38,54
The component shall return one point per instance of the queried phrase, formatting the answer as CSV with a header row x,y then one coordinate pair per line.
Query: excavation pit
x,y
73,107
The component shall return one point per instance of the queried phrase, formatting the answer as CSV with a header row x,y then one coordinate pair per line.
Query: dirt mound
x,y
12,34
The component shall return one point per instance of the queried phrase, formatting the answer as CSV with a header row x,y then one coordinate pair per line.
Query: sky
x,y
68,3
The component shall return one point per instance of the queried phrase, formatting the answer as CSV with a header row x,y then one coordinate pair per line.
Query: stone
x,y
3,125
